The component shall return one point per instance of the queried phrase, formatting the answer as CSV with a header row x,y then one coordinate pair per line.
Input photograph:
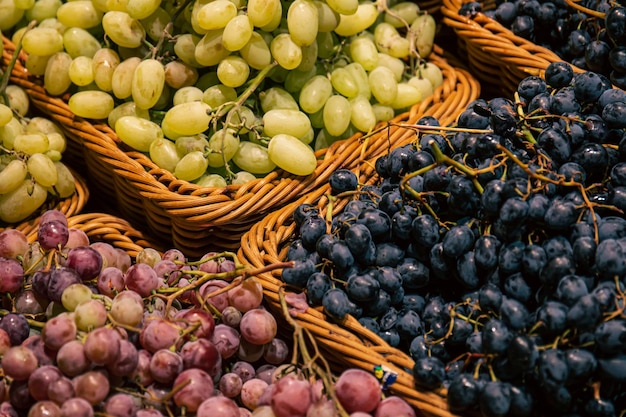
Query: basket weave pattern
x,y
197,219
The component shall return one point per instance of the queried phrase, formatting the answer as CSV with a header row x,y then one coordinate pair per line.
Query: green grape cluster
x,y
31,171
223,91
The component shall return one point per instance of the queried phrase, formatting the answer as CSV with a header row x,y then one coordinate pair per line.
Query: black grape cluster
x,y
493,252
594,41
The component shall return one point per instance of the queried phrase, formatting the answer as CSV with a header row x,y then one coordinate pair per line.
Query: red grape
x,y
19,362
13,243
394,406
198,389
358,390
291,397
53,234
12,274
218,406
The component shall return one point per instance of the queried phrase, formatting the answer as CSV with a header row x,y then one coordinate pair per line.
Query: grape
x,y
102,346
12,273
354,23
291,122
20,203
110,282
137,132
188,119
60,390
92,386
358,390
58,331
91,104
251,392
158,334
12,176
141,278
237,32
90,314
42,41
290,154
19,362
41,379
230,384
165,365
258,326
199,388
221,405
247,296
226,340
120,405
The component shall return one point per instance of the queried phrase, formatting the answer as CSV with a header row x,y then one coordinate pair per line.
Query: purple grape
x,y
58,331
165,365
61,390
19,362
45,356
120,405
226,340
16,327
53,234
27,302
78,407
202,320
231,317
102,346
127,360
158,334
40,380
45,409
110,281
142,374
220,406
168,271
276,352
86,261
265,372
71,359
92,386
230,384
142,279
201,354
7,410
53,215
60,279
12,275
244,370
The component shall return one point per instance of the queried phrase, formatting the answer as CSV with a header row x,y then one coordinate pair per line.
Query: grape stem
x,y
7,73
166,30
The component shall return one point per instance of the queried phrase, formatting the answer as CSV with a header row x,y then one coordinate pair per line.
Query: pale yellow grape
x,y
314,93
100,5
243,177
191,166
344,83
53,23
261,12
327,18
187,94
219,94
256,52
186,144
91,104
10,131
431,72
291,155
17,36
140,9
116,5
53,155
396,65
285,51
39,124
156,24
407,96
303,22
36,64
206,80
43,9
253,158
104,63
18,99
185,48
361,78
13,174
179,75
42,169
79,13
66,184
383,85
233,71
324,139
346,7
363,51
277,98
122,77
362,114
56,142
216,14
10,14
20,203
237,32
223,146
123,29
56,78
365,16
423,29
6,114
163,153
308,137
422,84
31,143
291,122
126,109
42,41
295,80
210,50
211,180
309,57
325,45
137,133
275,22
81,71
389,41
148,83
79,42
188,119
401,14
337,113
383,113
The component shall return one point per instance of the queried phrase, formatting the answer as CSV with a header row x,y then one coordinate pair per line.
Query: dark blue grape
x,y
425,231
358,238
581,363
490,297
391,202
615,24
415,274
340,255
510,258
377,221
362,288
316,286
467,271
496,336
522,352
461,330
613,368
523,26
599,407
464,390
313,227
495,193
585,312
552,368
516,286
298,275
610,337
521,402
437,179
418,348
381,304
324,243
343,180
408,324
458,240
16,327
389,254
513,313
552,317
559,74
486,250
302,212
401,225
390,336
514,210
370,324
584,253
610,259
413,302
530,86
336,303
538,206
615,114
428,373
495,399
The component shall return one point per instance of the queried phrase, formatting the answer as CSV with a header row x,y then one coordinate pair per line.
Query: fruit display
x,y
485,259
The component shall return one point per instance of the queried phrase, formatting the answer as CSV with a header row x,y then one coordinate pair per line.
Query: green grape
x,y
362,114
6,114
126,109
185,48
206,80
422,84
52,23
187,94
285,51
123,29
40,124
22,202
210,50
344,83
163,153
211,180
243,177
383,85
186,144
337,114
79,42
188,119
91,104
253,158
324,139
345,7
42,41
36,64
179,75
74,294
423,29
66,184
122,77
18,99
274,24
363,51
389,41
79,13
317,119
156,24
237,32
309,58
406,97
303,22
10,15
261,12
361,78
291,155
24,4
277,98
12,176
31,143
56,142
296,79
105,61
216,14
219,94
141,9
42,169
326,44
383,113
222,145
56,78
328,19
256,52
308,137
364,17
291,122
233,71
193,17
43,9
9,132
81,71
137,133
191,166
432,73
396,65
53,155
148,83
314,93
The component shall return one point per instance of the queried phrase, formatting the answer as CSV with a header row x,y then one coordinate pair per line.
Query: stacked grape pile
x,y
492,251
84,331
223,91
589,34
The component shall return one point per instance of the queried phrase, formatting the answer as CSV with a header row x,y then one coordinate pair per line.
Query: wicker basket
x,y
198,219
498,58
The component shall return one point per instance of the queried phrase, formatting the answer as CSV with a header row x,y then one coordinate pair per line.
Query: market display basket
x,y
345,344
498,58
199,219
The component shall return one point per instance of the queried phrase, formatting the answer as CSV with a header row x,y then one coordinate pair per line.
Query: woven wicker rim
x,y
230,205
